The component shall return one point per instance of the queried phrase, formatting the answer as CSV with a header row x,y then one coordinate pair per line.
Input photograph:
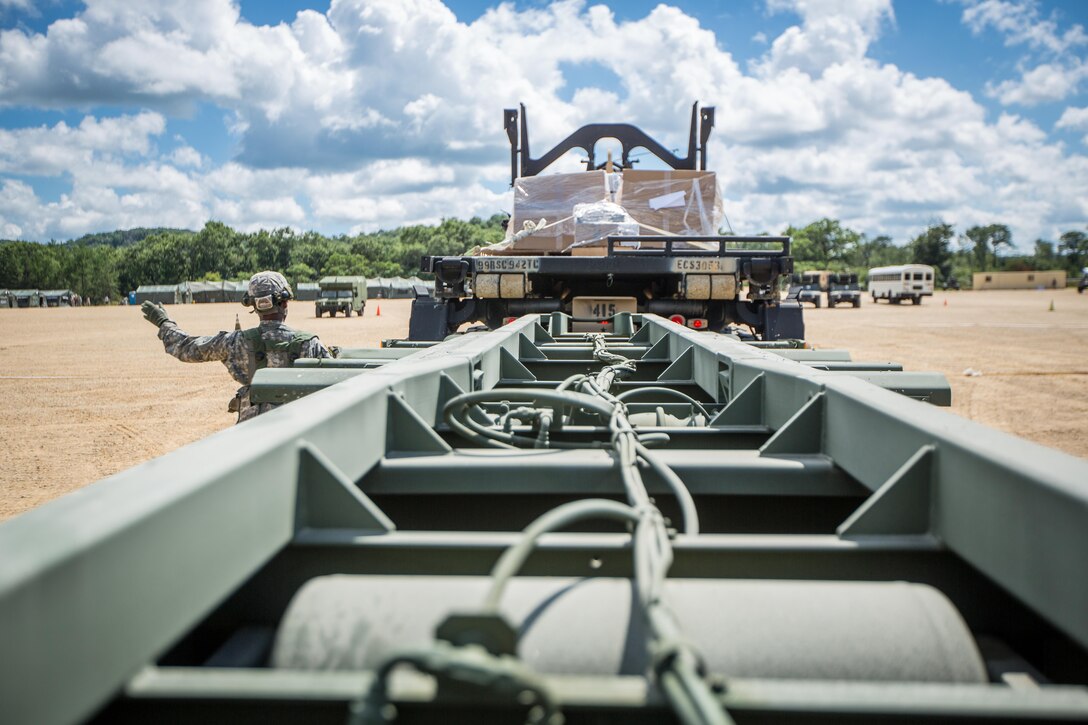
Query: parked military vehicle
x,y
614,239
811,286
340,294
539,525
1083,283
843,288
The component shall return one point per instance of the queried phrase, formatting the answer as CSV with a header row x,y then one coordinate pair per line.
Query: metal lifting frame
x,y
138,592
585,138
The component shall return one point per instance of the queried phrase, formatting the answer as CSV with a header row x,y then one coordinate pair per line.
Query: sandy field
x,y
88,392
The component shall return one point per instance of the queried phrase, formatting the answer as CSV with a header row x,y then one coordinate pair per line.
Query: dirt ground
x,y
88,392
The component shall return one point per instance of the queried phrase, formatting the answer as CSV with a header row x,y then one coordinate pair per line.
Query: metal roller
x,y
767,629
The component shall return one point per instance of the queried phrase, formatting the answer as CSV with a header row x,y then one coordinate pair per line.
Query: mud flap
x,y
783,321
430,319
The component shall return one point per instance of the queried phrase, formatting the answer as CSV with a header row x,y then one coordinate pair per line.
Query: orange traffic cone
x,y
946,303
378,312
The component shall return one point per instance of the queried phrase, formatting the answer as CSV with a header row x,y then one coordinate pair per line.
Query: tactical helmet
x,y
267,290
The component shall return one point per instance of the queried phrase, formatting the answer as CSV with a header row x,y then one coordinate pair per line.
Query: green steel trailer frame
x,y
837,548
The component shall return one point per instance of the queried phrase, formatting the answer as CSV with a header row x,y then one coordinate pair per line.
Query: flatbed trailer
x,y
650,525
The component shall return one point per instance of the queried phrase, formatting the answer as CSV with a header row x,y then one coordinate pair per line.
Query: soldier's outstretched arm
x,y
315,348
190,348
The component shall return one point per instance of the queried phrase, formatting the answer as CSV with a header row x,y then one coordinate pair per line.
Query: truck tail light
x,y
697,323
508,320
678,319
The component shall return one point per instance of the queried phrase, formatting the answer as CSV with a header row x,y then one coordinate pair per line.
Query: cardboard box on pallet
x,y
677,202
674,202
551,198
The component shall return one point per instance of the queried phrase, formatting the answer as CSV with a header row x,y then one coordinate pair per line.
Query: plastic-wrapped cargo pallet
x,y
663,202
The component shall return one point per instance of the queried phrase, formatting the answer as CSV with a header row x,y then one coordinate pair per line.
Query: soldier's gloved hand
x,y
154,313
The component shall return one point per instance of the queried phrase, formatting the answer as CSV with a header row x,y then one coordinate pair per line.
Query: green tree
x,y
1074,245
300,272
879,251
30,265
987,243
91,270
215,248
1045,256
932,247
825,242
343,263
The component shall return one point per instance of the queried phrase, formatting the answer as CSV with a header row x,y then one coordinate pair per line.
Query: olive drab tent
x,y
307,291
164,294
57,297
234,290
205,291
395,287
211,291
26,298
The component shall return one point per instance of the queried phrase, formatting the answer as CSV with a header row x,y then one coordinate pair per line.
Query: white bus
x,y
905,281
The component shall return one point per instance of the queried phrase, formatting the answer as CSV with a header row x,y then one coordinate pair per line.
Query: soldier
x,y
244,352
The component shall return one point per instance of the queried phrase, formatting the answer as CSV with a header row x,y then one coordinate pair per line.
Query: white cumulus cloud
x,y
1053,67
1075,119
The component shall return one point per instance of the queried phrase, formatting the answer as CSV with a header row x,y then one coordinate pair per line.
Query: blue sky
x,y
355,115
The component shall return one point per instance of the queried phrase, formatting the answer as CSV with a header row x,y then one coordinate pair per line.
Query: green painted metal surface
x,y
156,594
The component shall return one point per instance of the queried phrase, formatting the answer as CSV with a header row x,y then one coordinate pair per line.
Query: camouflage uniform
x,y
236,350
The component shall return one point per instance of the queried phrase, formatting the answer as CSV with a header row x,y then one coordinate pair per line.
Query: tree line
x,y
112,263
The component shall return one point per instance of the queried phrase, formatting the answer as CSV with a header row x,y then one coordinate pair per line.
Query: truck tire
x,y
830,303
816,302
317,312
347,312
916,300
874,298
332,313
895,300
857,302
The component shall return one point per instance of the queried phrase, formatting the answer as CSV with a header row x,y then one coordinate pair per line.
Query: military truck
x,y
609,240
812,286
341,294
843,288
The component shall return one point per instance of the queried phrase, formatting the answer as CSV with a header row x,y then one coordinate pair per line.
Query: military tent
x,y
57,297
394,287
374,288
203,291
307,291
400,287
165,294
234,290
27,298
